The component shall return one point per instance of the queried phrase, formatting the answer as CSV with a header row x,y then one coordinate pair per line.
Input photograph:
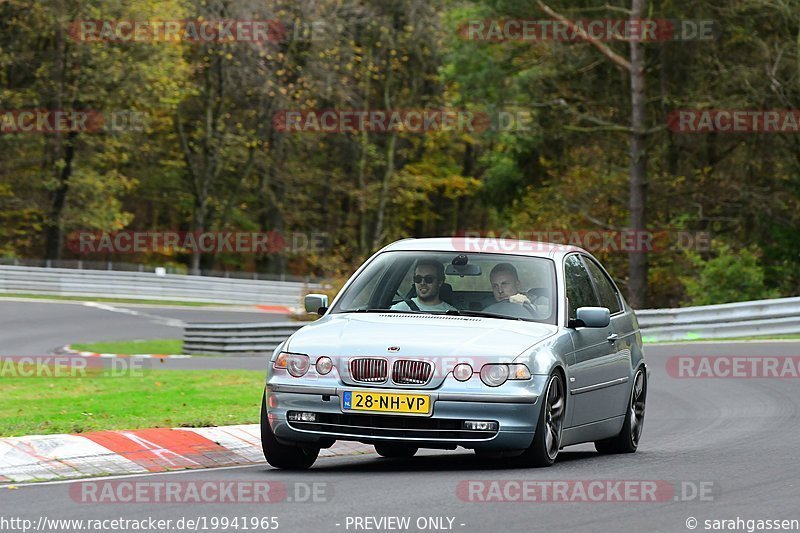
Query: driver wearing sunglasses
x,y
428,279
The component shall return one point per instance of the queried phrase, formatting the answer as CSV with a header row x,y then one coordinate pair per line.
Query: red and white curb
x,y
279,309
67,350
139,451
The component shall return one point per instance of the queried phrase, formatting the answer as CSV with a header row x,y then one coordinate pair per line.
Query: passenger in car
x,y
505,281
507,290
428,279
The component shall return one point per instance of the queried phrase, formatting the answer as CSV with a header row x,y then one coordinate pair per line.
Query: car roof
x,y
484,245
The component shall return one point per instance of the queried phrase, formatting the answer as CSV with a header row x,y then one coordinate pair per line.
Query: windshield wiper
x,y
451,312
379,310
456,312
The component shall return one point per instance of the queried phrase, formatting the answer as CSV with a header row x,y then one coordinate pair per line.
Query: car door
x,y
591,365
619,366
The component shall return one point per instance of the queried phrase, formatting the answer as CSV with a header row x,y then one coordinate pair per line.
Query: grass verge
x,y
734,339
155,346
149,398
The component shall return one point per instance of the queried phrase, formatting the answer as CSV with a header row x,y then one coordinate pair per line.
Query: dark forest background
x,y
209,157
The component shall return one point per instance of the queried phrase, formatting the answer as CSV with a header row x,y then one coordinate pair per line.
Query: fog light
x,y
480,425
296,416
324,365
462,372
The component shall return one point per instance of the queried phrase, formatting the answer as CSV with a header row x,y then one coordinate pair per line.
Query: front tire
x,y
395,451
547,439
282,455
628,439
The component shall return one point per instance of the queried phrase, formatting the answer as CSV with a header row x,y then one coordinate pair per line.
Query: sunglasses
x,y
428,279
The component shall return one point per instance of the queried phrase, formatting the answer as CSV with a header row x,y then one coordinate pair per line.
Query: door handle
x,y
612,338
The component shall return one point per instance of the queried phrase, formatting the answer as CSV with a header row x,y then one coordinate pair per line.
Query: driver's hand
x,y
519,298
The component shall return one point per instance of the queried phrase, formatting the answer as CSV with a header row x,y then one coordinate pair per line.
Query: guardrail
x,y
150,286
236,339
741,319
170,268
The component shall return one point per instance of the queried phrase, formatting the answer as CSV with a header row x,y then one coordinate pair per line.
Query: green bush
x,y
728,276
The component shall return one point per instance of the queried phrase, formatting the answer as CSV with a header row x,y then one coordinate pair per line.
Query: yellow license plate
x,y
384,402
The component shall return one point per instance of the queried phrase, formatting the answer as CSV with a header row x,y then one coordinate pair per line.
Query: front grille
x,y
399,427
368,369
405,372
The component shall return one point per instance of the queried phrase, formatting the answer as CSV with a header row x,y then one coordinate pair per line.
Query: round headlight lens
x,y
324,365
462,372
494,375
297,365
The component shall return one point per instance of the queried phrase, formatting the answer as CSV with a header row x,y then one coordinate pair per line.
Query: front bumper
x,y
516,411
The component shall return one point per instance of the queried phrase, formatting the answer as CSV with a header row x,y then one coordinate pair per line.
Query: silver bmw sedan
x,y
510,348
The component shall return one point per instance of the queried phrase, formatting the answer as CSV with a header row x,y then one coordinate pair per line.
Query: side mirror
x,y
591,317
316,303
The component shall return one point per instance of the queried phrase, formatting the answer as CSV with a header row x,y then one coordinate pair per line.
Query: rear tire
x,y
547,439
282,455
394,451
628,439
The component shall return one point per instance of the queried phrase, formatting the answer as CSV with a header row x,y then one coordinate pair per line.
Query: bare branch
x,y
605,7
584,129
601,47
604,125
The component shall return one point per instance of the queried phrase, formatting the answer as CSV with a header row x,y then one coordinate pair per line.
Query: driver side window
x,y
579,287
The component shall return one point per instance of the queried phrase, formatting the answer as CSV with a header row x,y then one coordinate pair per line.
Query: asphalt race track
x,y
38,328
729,447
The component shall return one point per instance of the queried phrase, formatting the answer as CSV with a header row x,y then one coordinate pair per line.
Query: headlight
x,y
324,365
295,363
496,374
462,372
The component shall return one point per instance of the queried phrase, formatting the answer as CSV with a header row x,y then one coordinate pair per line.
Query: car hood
x,y
477,340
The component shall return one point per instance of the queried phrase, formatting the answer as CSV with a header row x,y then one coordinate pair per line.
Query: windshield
x,y
492,285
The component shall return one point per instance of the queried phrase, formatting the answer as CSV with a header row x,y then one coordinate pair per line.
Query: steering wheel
x,y
528,306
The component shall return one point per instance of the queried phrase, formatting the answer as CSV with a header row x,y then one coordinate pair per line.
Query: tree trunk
x,y
362,165
53,228
637,273
203,165
382,200
198,227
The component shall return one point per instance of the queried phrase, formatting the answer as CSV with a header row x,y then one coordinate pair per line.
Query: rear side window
x,y
608,294
579,287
